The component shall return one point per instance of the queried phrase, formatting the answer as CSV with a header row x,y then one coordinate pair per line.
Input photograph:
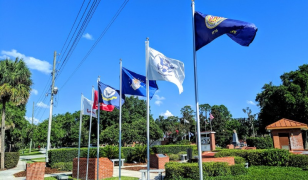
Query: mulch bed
x,y
48,170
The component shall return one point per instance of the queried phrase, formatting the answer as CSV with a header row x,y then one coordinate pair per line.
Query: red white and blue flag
x,y
211,117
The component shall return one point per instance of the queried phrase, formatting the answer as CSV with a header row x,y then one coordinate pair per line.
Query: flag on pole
x,y
186,121
211,117
102,106
135,84
165,69
208,28
87,105
108,95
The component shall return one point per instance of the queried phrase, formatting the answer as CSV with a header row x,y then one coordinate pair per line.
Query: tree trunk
x,y
3,135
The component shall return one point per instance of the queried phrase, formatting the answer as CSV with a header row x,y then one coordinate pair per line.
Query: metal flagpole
x,y
120,119
196,91
89,135
98,110
148,104
80,122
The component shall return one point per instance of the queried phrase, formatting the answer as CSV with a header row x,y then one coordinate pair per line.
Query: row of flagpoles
x,y
206,28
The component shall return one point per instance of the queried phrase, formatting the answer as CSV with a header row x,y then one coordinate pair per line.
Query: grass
x,y
34,160
268,173
26,152
113,178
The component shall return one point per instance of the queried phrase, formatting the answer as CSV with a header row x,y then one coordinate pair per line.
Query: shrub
x,y
238,169
260,142
266,157
298,160
111,152
183,142
173,156
140,153
128,153
176,170
10,159
173,149
64,166
239,160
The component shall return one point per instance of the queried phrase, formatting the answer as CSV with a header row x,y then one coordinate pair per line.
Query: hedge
x,y
63,166
173,149
10,159
175,170
266,157
239,160
298,160
260,142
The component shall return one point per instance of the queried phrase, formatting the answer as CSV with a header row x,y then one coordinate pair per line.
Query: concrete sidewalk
x,y
136,174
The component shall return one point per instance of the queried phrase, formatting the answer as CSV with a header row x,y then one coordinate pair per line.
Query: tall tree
x,y
188,115
251,119
15,83
204,109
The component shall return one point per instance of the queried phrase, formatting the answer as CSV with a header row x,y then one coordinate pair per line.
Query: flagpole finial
x,y
148,38
120,59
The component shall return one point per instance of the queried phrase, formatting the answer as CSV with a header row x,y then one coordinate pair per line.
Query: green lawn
x,y
268,173
113,178
26,152
35,160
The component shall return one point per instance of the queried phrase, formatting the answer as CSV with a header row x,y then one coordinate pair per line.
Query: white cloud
x,y
166,114
35,121
158,99
3,57
42,105
34,91
251,102
88,36
31,62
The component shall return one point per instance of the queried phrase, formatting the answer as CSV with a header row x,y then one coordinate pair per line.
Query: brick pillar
x,y
35,171
212,140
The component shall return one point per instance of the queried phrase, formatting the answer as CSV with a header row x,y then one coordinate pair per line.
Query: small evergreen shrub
x,y
172,149
260,142
176,170
10,159
239,160
298,160
173,157
63,166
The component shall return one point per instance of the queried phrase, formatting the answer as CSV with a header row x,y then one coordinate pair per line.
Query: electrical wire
x,y
98,40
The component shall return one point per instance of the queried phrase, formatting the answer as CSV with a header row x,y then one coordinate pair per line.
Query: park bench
x,y
117,160
144,171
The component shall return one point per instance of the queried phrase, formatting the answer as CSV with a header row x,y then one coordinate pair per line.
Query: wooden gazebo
x,y
287,134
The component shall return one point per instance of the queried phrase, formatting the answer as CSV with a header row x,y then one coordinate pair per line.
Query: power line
x,y
84,25
98,40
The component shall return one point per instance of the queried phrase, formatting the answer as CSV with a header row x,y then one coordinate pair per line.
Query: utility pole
x,y
51,105
31,128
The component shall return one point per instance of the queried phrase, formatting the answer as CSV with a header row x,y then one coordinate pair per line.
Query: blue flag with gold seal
x,y
108,95
135,84
208,28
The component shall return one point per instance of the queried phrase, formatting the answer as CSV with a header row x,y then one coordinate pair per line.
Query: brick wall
x,y
230,146
212,140
35,171
158,162
229,160
105,168
295,138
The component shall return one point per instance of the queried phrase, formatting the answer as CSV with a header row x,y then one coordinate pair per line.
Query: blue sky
x,y
229,74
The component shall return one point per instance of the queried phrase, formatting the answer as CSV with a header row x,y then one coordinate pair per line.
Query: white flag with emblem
x,y
166,69
87,105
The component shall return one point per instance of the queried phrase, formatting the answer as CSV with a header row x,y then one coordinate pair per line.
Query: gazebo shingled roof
x,y
286,124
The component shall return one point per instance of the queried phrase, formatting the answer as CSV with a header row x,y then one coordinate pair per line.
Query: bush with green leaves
x,y
298,160
63,166
183,142
173,157
10,159
260,142
266,157
173,149
175,170
239,160
140,153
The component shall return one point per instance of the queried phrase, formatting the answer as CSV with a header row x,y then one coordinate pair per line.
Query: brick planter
x,y
35,171
105,168
158,162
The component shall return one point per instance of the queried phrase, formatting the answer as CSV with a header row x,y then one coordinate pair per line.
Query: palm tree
x,y
15,87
